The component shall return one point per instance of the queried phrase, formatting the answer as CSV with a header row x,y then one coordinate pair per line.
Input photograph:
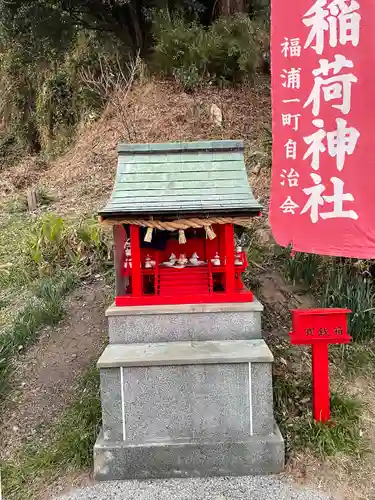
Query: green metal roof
x,y
197,177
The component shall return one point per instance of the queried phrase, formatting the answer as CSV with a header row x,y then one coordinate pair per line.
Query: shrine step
x,y
223,321
186,281
163,399
116,460
186,390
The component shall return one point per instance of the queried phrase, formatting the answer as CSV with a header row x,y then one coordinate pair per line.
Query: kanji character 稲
x,y
290,177
289,207
338,18
344,21
338,199
315,142
292,78
315,198
288,119
291,150
291,47
333,88
342,142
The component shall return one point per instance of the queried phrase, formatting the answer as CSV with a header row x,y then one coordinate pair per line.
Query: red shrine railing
x,y
161,283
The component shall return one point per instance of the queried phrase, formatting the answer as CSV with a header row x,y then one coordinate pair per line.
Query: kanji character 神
x,y
291,47
291,177
291,150
292,78
338,198
333,88
316,146
340,142
288,118
289,207
339,18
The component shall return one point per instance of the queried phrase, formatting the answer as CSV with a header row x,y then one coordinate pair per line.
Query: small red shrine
x,y
173,209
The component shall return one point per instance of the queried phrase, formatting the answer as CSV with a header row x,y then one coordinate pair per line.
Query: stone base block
x,y
181,391
116,460
239,321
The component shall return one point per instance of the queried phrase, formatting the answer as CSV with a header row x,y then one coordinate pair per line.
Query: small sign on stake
x,y
319,328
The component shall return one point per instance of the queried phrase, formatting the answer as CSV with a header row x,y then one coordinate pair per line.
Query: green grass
x,y
346,287
357,358
73,438
45,308
41,260
343,283
293,409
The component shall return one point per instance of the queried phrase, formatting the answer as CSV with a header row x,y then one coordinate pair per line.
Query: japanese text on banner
x,y
334,24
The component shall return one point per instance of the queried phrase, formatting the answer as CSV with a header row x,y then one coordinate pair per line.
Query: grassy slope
x,y
81,181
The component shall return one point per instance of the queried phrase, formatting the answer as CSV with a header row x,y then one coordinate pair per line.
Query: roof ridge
x,y
173,147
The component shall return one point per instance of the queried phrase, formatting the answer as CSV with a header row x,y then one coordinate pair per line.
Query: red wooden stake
x,y
136,261
230,280
320,372
319,328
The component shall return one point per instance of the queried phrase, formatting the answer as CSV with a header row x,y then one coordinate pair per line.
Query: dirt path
x,y
44,379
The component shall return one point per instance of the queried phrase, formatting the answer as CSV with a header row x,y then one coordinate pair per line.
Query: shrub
x,y
231,50
56,111
337,282
52,243
346,287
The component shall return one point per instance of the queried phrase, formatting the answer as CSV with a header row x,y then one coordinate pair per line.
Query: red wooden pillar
x,y
136,261
230,280
119,237
320,372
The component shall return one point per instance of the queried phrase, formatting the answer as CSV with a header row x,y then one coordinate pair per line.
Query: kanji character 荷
x,y
333,88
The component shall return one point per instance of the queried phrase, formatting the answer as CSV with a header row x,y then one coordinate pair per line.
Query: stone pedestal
x,y
193,396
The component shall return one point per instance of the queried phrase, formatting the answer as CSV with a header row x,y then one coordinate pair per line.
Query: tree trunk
x,y
230,7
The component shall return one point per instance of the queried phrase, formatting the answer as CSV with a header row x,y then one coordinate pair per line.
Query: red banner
x,y
323,90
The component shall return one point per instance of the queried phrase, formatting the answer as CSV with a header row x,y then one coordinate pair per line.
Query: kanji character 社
x,y
291,149
339,18
338,198
291,47
333,88
342,142
292,78
315,198
289,207
291,177
288,119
